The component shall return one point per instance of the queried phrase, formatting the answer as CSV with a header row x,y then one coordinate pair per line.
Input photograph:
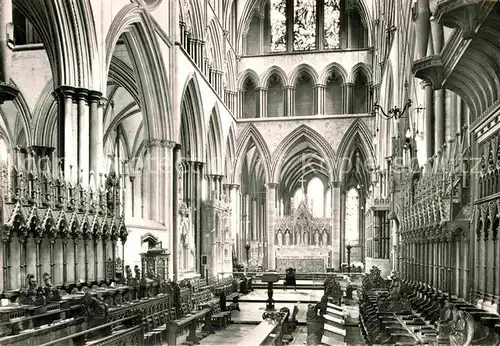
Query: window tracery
x,y
304,25
278,25
332,24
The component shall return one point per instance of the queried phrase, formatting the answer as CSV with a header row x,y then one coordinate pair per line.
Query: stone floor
x,y
253,306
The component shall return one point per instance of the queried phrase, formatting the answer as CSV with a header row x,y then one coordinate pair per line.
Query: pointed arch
x,y
357,137
292,79
215,33
361,67
251,135
136,25
244,75
273,71
192,125
214,143
301,134
333,67
231,71
230,154
69,38
24,116
45,116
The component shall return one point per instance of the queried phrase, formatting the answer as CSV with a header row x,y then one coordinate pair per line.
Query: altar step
x,y
335,323
279,286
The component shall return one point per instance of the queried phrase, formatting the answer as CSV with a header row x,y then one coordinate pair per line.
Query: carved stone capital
x,y
430,69
163,143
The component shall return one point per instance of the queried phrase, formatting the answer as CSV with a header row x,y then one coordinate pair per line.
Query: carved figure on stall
x,y
129,276
33,293
137,273
51,292
315,325
456,327
395,301
94,309
324,241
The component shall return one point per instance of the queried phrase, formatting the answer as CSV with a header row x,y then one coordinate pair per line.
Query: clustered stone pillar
x,y
319,104
175,202
289,101
271,215
80,133
261,102
347,91
336,233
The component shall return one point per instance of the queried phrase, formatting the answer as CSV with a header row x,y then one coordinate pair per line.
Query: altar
x,y
303,242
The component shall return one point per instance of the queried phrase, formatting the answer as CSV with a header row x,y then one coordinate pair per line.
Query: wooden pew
x,y
268,332
190,322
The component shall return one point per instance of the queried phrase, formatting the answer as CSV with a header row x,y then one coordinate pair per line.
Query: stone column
x,y
65,125
95,119
429,120
289,101
175,201
439,117
348,89
271,214
254,219
241,100
422,28
83,138
319,104
234,195
337,238
262,102
198,172
349,24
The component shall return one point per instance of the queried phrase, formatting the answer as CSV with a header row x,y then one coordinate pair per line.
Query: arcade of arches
x,y
229,132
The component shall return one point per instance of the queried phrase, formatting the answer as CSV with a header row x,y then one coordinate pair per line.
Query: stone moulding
x,y
8,92
430,69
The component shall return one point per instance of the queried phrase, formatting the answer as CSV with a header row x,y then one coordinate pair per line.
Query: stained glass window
x,y
278,25
332,26
304,25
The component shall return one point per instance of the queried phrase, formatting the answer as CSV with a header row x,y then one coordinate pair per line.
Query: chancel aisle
x,y
302,241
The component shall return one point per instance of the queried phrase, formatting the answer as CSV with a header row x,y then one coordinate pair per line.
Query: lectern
x,y
270,278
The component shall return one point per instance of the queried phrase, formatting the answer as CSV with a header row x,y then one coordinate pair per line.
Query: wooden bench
x,y
266,333
189,322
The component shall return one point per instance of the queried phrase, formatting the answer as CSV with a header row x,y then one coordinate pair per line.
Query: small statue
x,y
33,294
137,272
52,293
129,276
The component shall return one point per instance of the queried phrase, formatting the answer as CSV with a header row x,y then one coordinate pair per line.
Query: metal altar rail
x,y
298,275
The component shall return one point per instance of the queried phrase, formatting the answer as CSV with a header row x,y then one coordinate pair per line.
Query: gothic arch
x,y
360,67
357,137
244,75
191,13
214,143
69,38
333,67
364,13
230,71
271,71
248,135
300,134
303,68
192,124
23,119
214,33
150,73
230,154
